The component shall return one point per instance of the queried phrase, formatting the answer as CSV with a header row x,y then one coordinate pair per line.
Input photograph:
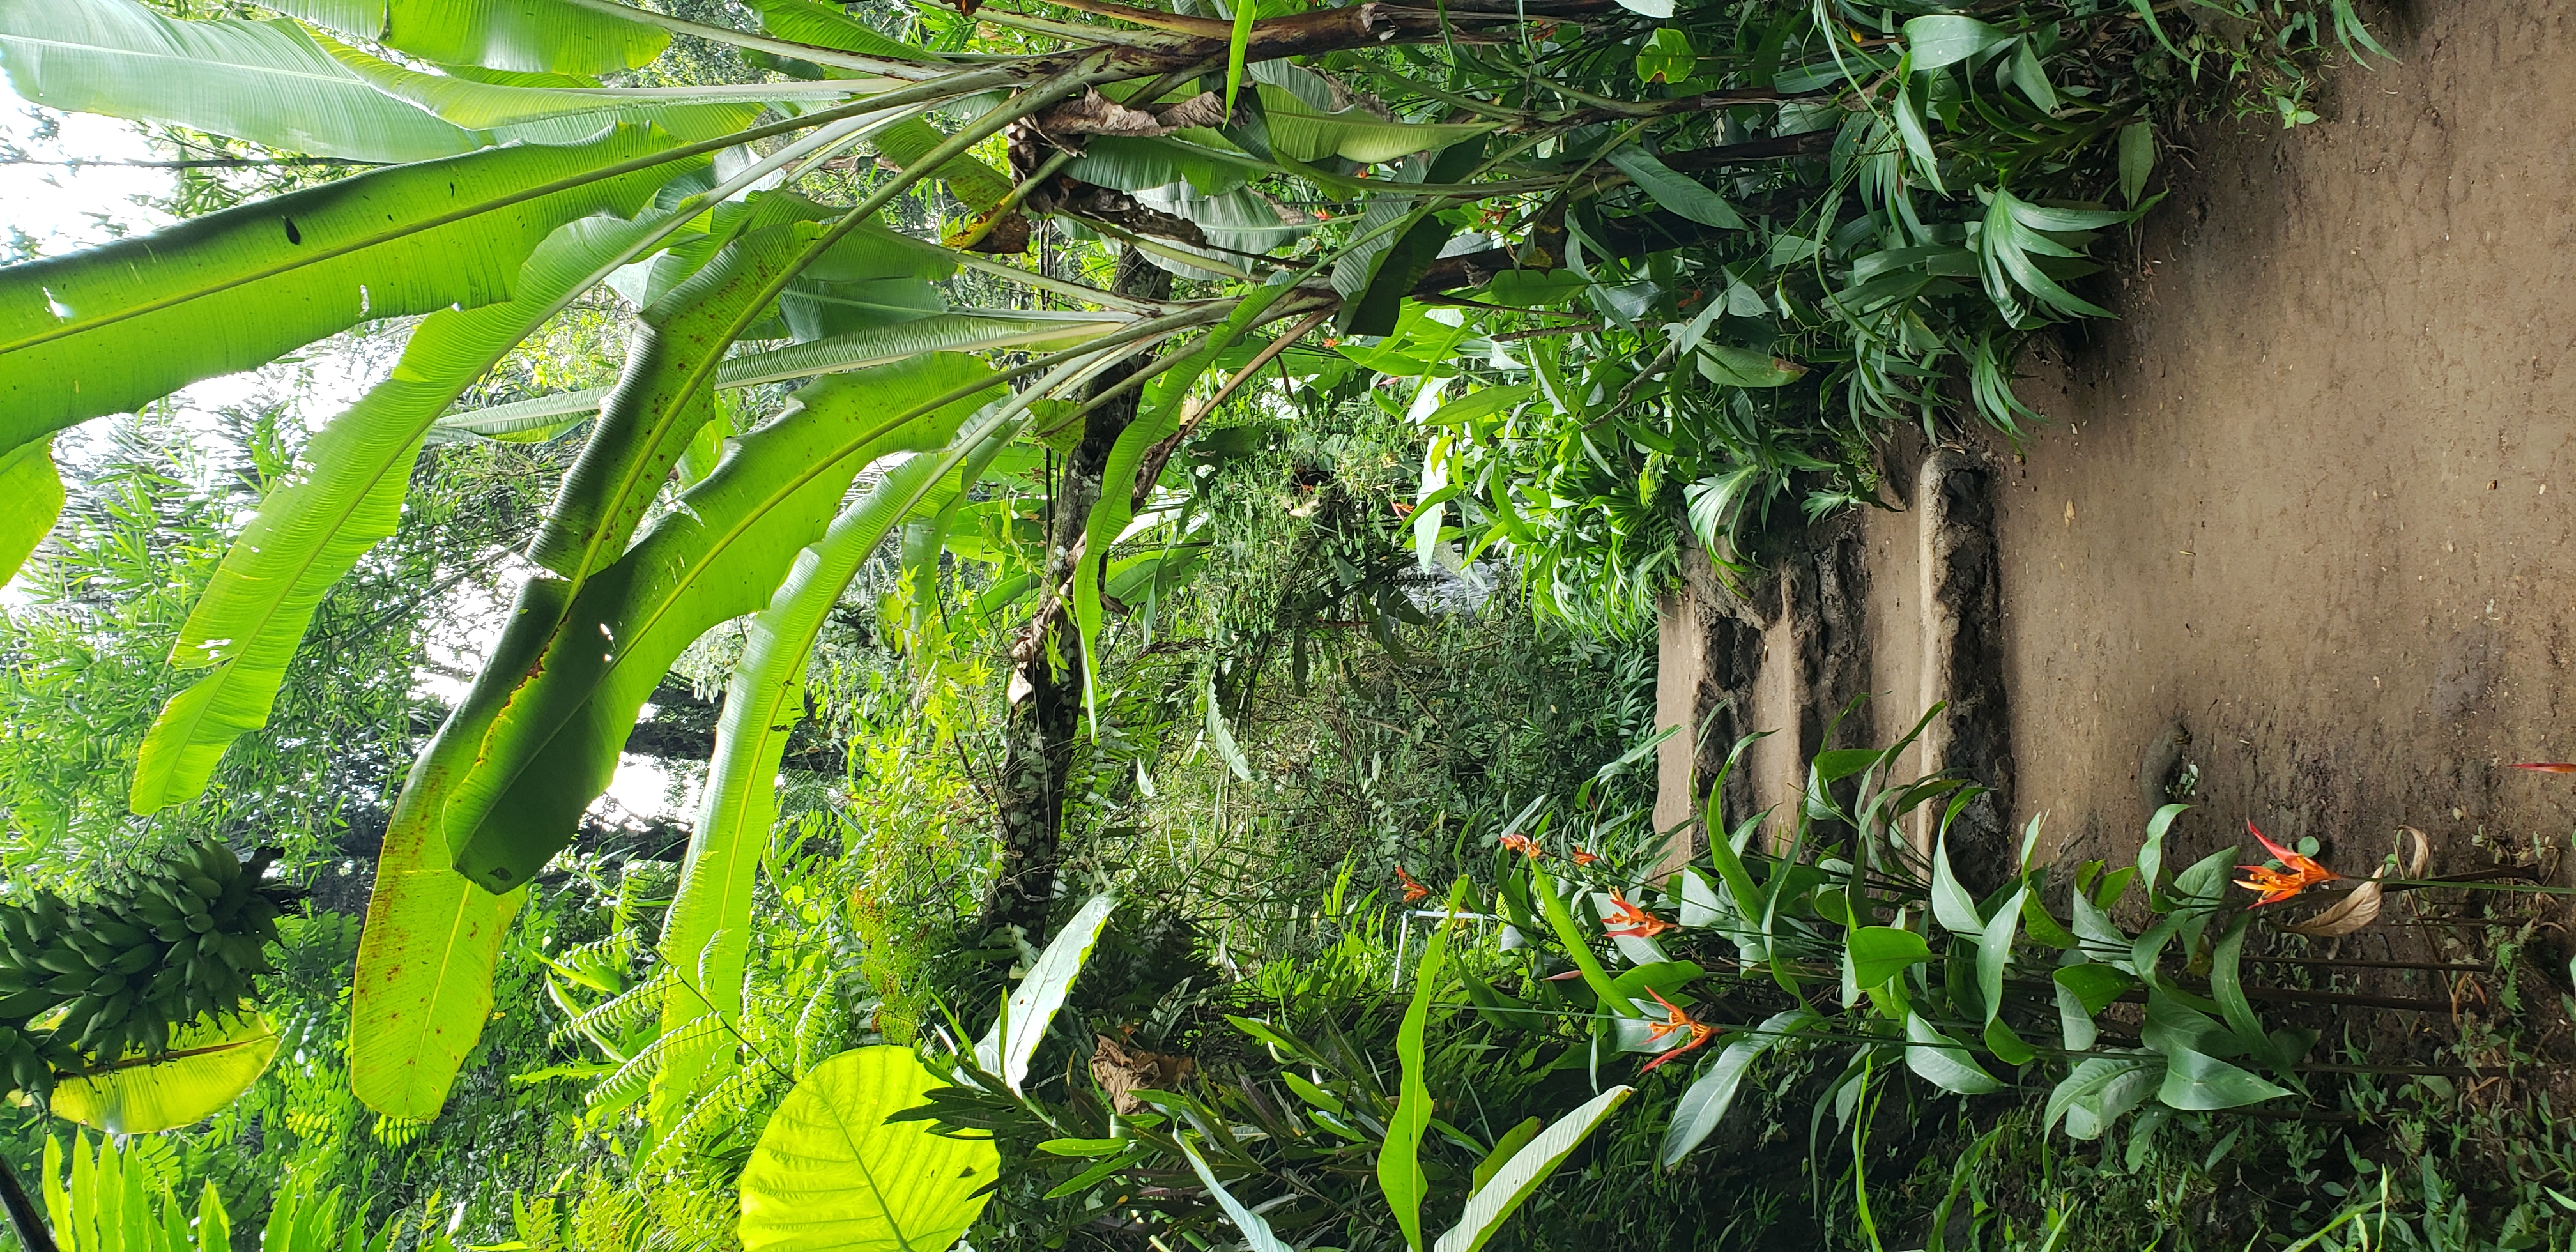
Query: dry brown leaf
x,y
1121,1070
1096,114
2360,907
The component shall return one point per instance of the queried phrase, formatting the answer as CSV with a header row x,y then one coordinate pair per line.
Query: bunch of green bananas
x,y
83,984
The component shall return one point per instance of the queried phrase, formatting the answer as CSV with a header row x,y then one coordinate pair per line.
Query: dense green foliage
x,y
1107,512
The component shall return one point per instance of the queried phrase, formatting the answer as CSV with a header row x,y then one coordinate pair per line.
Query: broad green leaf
x,y
2137,160
1245,11
346,496
1940,39
31,497
1494,1203
423,987
1704,1104
1673,189
720,555
689,113
1013,1040
1257,1235
1952,906
1944,1061
1879,953
706,935
1399,1160
1306,132
1730,366
211,1062
107,329
833,1174
806,21
956,331
978,186
661,399
2197,1080
2151,854
1666,58
1994,953
1137,163
264,81
2031,78
2100,1089
2095,984
1504,1149
530,36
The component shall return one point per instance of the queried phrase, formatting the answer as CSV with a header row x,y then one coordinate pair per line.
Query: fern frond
x,y
734,1097
633,1078
621,1012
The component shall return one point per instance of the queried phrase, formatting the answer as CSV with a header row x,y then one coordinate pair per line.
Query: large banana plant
x,y
1352,163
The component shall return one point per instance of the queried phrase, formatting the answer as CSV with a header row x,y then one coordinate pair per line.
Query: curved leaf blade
x,y
210,1063
554,746
31,498
1710,1095
1497,1200
1009,1045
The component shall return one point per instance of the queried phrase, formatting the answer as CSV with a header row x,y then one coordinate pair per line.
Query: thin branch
x,y
1150,469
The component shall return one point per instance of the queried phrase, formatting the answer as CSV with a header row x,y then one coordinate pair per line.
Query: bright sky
x,y
61,208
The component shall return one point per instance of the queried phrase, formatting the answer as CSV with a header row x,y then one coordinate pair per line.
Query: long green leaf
x,y
559,114
954,331
423,987
1399,1159
720,555
264,81
1257,1235
346,496
1154,422
707,932
1495,1202
31,497
531,36
834,1173
1704,1104
1305,132
660,400
105,330
1012,1043
1944,1061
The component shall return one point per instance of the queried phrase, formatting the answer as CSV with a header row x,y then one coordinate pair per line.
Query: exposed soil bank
x,y
2313,499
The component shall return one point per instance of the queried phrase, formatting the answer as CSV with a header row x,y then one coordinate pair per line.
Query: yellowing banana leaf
x,y
707,932
211,1061
107,329
31,497
345,498
264,81
720,555
1305,132
423,987
530,36
832,1174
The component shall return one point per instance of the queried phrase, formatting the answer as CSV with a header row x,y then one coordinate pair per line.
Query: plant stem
x,y
23,1217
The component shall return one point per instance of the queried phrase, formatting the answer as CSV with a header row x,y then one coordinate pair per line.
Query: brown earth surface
x,y
2313,498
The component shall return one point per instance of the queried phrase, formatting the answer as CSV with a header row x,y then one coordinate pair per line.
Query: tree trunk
x,y
1045,711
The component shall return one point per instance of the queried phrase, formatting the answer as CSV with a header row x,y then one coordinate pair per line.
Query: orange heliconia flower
x,y
1522,844
1674,1020
1633,922
1583,857
2277,885
2548,767
1412,890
